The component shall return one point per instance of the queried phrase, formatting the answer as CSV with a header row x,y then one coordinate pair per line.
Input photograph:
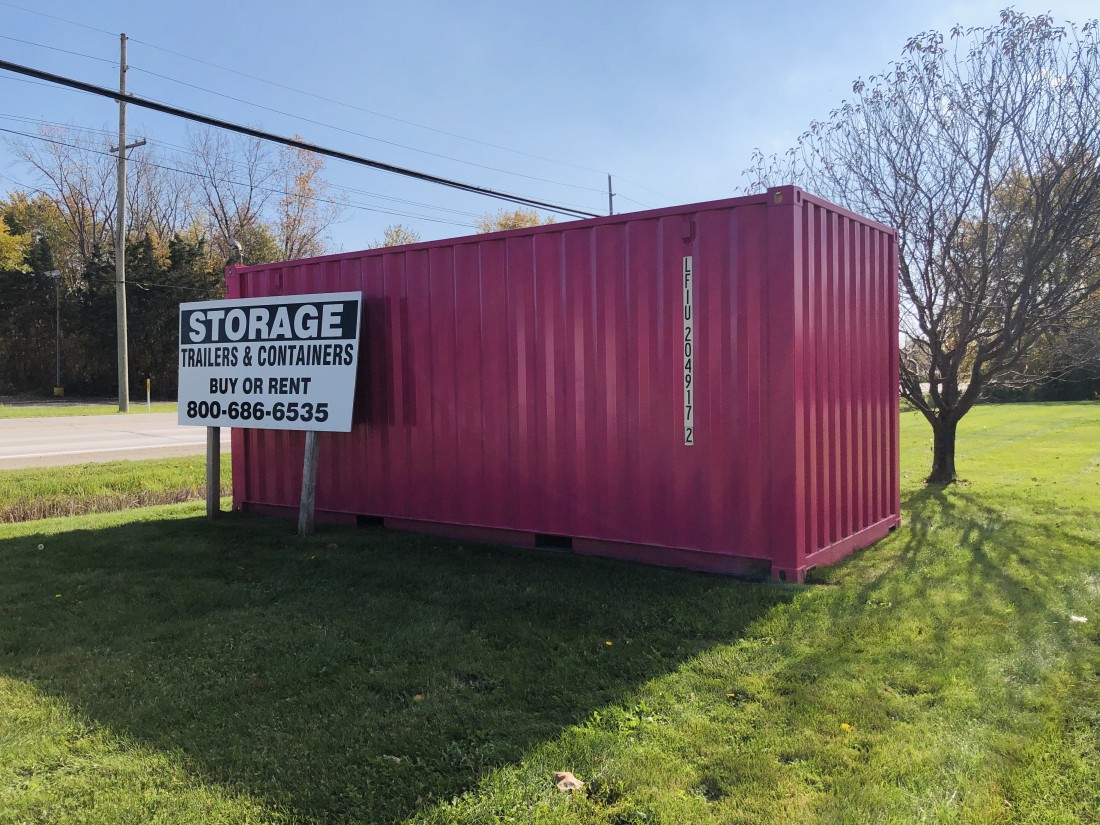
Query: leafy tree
x,y
517,218
397,235
41,217
90,363
156,289
981,148
259,244
234,177
12,249
27,319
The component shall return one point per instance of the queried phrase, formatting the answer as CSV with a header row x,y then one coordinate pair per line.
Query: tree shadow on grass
x,y
946,654
974,594
357,675
994,553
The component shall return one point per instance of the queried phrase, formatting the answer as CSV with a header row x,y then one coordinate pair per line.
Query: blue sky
x,y
671,98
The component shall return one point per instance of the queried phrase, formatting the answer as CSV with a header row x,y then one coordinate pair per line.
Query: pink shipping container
x,y
537,387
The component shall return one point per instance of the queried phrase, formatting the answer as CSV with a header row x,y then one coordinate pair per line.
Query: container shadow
x,y
355,676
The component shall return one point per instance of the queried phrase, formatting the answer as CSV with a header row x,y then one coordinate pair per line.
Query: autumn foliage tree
x,y
397,235
12,249
981,148
306,206
517,218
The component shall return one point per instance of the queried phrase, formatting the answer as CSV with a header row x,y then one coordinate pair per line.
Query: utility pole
x,y
610,196
120,239
120,243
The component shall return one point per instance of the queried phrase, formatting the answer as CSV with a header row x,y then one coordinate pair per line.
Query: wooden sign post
x,y
213,472
309,485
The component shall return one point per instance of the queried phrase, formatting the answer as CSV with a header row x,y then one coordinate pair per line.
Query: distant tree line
x,y
185,215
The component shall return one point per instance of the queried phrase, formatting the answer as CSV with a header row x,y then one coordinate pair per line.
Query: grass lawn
x,y
95,488
156,667
51,409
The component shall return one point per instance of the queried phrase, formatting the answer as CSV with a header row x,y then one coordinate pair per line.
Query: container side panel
x,y
523,481
811,331
612,453
551,399
493,453
425,482
821,378
468,383
643,244
854,332
833,378
874,384
750,460
849,416
849,335
879,342
712,492
446,367
893,345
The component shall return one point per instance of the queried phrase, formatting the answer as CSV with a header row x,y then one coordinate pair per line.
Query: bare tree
x,y
78,175
234,178
160,201
981,148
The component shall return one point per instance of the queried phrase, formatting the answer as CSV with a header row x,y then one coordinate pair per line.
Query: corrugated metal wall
x,y
532,382
849,415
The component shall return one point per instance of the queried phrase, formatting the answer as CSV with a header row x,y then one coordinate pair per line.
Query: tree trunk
x,y
943,451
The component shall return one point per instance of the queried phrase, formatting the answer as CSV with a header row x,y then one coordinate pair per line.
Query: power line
x,y
232,162
367,111
625,198
296,91
641,186
267,189
36,83
329,100
361,134
295,144
59,19
58,49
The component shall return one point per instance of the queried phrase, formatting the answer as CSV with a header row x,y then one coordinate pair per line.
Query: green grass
x,y
95,488
49,410
156,667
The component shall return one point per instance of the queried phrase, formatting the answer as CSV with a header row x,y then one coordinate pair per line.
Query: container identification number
x,y
689,354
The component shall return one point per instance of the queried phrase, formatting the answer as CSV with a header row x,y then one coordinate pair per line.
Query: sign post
x,y
309,485
283,363
213,472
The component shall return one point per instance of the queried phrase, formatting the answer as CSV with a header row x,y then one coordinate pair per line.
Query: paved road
x,y
42,442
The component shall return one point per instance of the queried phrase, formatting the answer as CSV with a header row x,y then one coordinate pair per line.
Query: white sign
x,y
282,363
689,355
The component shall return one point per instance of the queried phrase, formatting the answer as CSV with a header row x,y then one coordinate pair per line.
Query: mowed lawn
x,y
158,668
